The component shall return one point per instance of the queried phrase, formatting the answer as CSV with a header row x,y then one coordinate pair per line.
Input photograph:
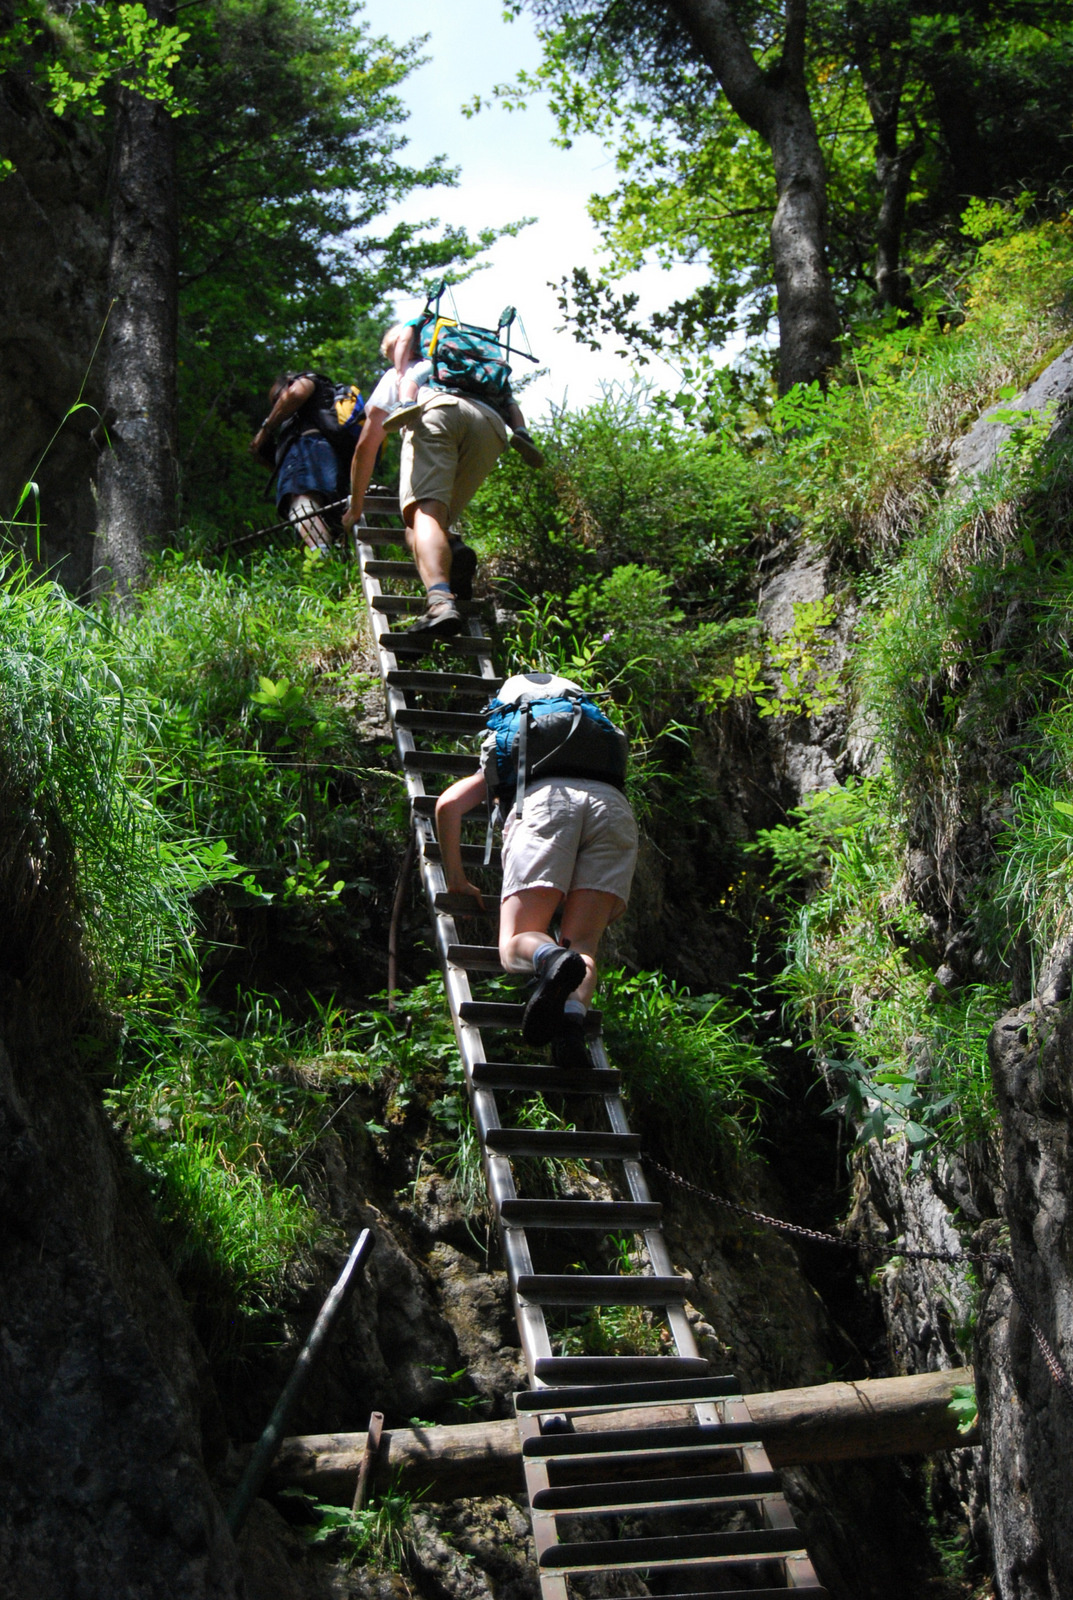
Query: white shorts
x,y
574,834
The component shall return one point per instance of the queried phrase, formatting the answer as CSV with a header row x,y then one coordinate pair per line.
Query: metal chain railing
x,y
995,1258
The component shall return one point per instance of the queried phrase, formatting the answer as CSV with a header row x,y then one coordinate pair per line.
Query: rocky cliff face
x,y
1010,1492
53,257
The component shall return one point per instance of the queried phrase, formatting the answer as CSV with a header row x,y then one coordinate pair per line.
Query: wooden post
x,y
368,1459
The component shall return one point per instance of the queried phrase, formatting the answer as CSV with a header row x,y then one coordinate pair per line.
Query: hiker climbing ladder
x,y
650,1442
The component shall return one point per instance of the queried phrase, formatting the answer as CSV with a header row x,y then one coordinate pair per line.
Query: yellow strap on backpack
x,y
441,323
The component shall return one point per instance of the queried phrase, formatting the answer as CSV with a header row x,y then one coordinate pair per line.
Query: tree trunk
x,y
775,103
883,77
829,1422
136,480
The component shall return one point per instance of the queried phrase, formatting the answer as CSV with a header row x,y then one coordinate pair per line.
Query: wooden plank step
x,y
602,1215
503,1014
635,1444
476,958
417,643
610,1289
411,604
603,1497
424,805
378,537
381,502
549,1080
604,1369
392,569
467,722
814,1592
460,682
566,1146
440,761
473,853
464,905
592,1397
748,1544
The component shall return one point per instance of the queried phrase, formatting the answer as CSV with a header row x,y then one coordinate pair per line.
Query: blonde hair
x,y
387,343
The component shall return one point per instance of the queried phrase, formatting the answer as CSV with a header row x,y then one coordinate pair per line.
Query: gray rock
x,y
980,447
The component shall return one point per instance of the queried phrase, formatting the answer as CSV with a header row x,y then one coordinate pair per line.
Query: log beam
x,y
830,1422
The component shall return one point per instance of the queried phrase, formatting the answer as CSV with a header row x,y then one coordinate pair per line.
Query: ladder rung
x,y
382,536
473,853
813,1592
441,721
392,569
586,1369
412,643
501,1013
459,682
612,1289
440,761
414,604
635,1444
657,1491
424,805
476,958
606,1216
592,1396
464,905
566,1146
550,1080
756,1544
380,502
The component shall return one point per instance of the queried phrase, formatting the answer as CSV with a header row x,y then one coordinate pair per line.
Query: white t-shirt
x,y
386,393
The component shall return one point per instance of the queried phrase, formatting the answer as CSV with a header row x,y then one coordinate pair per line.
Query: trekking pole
x,y
278,527
269,1442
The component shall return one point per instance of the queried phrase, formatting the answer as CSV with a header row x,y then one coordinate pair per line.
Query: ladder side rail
x,y
655,1241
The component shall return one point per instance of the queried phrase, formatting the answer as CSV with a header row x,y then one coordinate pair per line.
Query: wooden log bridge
x,y
829,1422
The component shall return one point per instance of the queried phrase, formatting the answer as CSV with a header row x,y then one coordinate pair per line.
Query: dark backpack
x,y
561,734
466,358
335,409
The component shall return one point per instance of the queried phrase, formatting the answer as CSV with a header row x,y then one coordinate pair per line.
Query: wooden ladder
x,y
664,1457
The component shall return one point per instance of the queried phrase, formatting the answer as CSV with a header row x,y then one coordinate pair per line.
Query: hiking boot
x,y
568,1047
543,1017
404,415
525,447
440,618
463,568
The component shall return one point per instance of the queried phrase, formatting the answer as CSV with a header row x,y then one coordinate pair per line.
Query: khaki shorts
x,y
573,835
448,453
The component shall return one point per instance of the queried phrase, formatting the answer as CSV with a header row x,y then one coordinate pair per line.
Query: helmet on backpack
x,y
538,686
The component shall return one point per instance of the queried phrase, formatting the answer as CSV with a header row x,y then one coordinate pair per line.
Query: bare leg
x,y
312,529
586,915
426,535
524,919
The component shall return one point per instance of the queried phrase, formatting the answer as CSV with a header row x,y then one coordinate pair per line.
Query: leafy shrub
x,y
623,484
73,738
692,1076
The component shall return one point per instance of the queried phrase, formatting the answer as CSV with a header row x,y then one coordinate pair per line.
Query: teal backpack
x,y
466,358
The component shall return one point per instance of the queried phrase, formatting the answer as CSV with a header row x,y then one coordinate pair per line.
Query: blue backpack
x,y
542,726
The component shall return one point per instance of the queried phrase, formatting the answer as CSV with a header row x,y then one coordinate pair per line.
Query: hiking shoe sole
x,y
403,416
439,621
543,1017
463,569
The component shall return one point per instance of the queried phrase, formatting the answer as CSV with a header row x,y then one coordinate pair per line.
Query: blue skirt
x,y
309,467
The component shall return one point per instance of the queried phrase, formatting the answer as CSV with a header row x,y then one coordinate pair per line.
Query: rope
x,y
1001,1262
